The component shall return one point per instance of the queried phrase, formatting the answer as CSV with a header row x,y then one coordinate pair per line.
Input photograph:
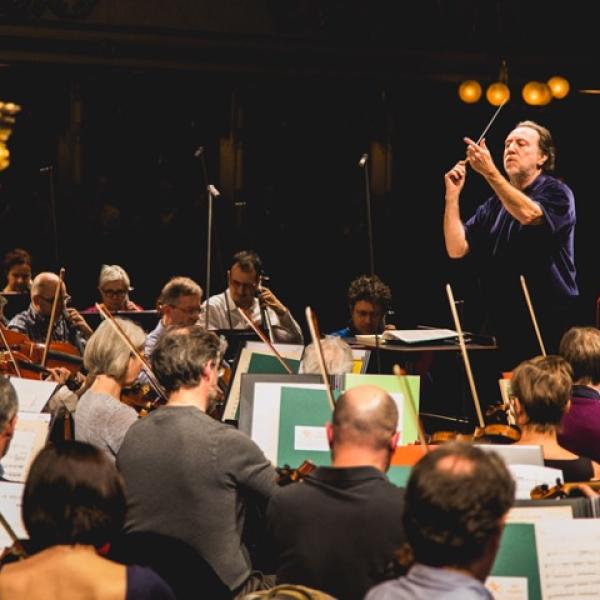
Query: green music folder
x,y
265,363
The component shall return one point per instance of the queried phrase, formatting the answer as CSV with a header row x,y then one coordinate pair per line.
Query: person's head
x,y
243,277
528,150
179,302
43,289
188,357
365,422
456,499
17,268
114,287
337,355
368,299
73,495
107,354
580,347
9,406
542,390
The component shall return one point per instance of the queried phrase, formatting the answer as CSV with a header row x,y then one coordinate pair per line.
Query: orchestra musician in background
x,y
246,291
9,405
114,287
17,269
526,227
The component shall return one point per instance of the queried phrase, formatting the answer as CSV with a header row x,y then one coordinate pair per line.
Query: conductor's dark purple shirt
x,y
544,253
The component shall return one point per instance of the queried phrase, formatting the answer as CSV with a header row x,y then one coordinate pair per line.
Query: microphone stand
x,y
363,164
49,170
212,194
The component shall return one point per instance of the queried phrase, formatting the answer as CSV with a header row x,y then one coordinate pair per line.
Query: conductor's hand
x,y
455,179
479,157
271,300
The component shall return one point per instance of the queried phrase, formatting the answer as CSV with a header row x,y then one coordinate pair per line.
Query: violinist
x,y
9,406
114,287
456,503
179,306
190,478
245,290
101,418
17,268
541,389
3,320
69,326
580,428
337,355
337,530
73,508
369,300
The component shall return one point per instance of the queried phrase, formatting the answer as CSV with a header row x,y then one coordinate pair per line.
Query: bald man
x,y
69,326
337,531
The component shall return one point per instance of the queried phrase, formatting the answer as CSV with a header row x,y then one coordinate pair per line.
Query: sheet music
x,y
11,495
569,557
535,514
33,395
30,437
507,588
528,476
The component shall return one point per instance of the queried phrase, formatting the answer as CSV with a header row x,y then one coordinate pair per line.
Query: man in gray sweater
x,y
189,477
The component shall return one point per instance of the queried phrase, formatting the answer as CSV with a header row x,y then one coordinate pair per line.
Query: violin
x,y
140,397
287,475
562,490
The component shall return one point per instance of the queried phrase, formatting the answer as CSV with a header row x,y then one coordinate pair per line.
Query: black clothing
x,y
337,530
574,469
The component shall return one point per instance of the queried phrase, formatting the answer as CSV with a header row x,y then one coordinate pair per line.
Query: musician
x,y
69,325
114,287
245,291
9,406
73,505
580,428
3,319
369,300
189,477
337,356
338,529
456,503
541,388
179,305
17,269
101,418
526,227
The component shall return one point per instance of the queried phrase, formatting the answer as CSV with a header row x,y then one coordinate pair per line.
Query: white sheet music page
x,y
569,558
529,476
11,495
33,395
29,438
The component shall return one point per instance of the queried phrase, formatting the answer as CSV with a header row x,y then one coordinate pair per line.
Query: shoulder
x,y
143,582
343,333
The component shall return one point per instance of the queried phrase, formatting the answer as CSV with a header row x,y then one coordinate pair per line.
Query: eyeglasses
x,y
113,293
194,310
65,300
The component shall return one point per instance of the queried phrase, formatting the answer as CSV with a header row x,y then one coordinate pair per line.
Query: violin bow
x,y
465,356
57,293
106,314
10,354
264,339
412,409
315,334
532,314
20,551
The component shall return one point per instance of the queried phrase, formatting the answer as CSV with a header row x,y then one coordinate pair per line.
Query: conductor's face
x,y
522,154
367,318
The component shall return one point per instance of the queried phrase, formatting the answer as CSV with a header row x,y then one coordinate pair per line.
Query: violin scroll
x,y
287,475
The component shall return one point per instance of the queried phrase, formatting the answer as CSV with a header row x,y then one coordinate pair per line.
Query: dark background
x,y
284,97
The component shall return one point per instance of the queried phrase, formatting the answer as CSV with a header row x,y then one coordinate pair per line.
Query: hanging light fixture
x,y
469,91
536,93
498,92
8,110
559,87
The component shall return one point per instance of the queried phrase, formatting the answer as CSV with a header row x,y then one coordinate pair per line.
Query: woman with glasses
x,y
101,418
114,287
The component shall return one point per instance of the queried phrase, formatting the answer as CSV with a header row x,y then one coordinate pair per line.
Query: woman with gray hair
x,y
101,418
114,287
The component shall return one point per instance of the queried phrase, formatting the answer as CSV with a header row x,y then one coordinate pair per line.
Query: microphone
x,y
46,169
213,191
363,160
199,151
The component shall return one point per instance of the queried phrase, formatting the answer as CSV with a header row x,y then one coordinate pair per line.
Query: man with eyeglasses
x,y
179,306
69,325
245,291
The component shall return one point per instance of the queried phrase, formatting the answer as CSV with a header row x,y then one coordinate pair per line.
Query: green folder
x,y
266,363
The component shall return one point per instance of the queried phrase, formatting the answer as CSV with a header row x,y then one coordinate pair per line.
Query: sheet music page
x,y
29,438
528,476
294,351
507,588
534,514
11,495
569,557
33,395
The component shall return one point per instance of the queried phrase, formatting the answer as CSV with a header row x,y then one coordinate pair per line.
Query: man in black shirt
x,y
337,531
